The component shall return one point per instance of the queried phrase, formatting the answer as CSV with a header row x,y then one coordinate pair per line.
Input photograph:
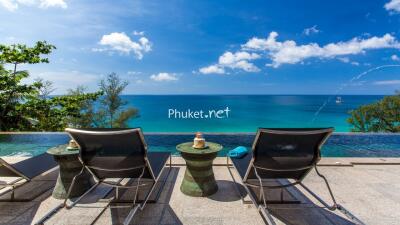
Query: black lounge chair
x,y
118,153
288,154
27,169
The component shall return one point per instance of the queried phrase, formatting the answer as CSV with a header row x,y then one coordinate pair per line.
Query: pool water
x,y
338,145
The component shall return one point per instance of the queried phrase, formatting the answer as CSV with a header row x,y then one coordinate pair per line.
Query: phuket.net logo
x,y
199,114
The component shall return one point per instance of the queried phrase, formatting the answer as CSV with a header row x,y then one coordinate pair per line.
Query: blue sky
x,y
213,47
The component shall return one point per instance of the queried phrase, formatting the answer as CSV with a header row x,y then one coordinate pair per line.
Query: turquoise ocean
x,y
246,112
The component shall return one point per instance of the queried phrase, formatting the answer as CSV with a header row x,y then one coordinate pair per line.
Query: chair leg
x,y
137,187
13,186
80,197
71,188
131,214
267,217
263,209
162,185
330,207
234,181
136,207
12,193
165,181
334,206
349,215
49,214
64,204
262,194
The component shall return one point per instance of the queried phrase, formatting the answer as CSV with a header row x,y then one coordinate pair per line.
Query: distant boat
x,y
338,100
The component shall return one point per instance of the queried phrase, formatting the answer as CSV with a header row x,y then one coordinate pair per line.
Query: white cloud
x,y
238,60
52,3
395,58
212,69
344,59
266,44
138,33
120,42
393,5
288,52
311,30
387,82
99,49
347,60
164,77
12,5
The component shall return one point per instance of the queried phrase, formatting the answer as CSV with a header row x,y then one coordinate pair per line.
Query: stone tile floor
x,y
369,191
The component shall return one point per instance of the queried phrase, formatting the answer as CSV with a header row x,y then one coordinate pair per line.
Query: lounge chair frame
x,y
15,183
263,206
134,207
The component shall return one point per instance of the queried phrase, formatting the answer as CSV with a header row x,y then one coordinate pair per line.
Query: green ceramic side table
x,y
199,180
69,167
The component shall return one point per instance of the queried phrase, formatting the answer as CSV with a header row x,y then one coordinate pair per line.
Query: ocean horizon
x,y
242,113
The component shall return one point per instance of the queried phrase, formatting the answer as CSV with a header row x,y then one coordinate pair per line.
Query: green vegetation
x,y
382,116
29,107
111,103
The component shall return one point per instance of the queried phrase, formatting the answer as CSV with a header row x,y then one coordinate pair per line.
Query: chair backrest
x,y
112,153
288,153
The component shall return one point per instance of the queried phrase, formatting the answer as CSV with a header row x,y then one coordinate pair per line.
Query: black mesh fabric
x,y
288,150
29,168
112,153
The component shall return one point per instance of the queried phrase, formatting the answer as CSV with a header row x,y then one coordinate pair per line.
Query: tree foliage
x,y
20,54
12,92
382,116
46,88
87,114
27,106
56,113
112,112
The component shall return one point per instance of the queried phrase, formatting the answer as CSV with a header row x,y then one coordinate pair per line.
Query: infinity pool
x,y
338,145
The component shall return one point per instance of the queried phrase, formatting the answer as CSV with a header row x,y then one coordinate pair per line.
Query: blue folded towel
x,y
238,152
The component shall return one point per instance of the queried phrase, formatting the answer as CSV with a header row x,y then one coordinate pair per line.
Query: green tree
x,y
13,91
28,106
87,116
11,94
56,113
46,88
20,54
382,116
112,112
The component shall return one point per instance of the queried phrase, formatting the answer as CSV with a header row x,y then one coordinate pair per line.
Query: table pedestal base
x,y
69,167
199,180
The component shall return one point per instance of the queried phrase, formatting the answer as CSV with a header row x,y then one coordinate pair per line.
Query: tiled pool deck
x,y
367,187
